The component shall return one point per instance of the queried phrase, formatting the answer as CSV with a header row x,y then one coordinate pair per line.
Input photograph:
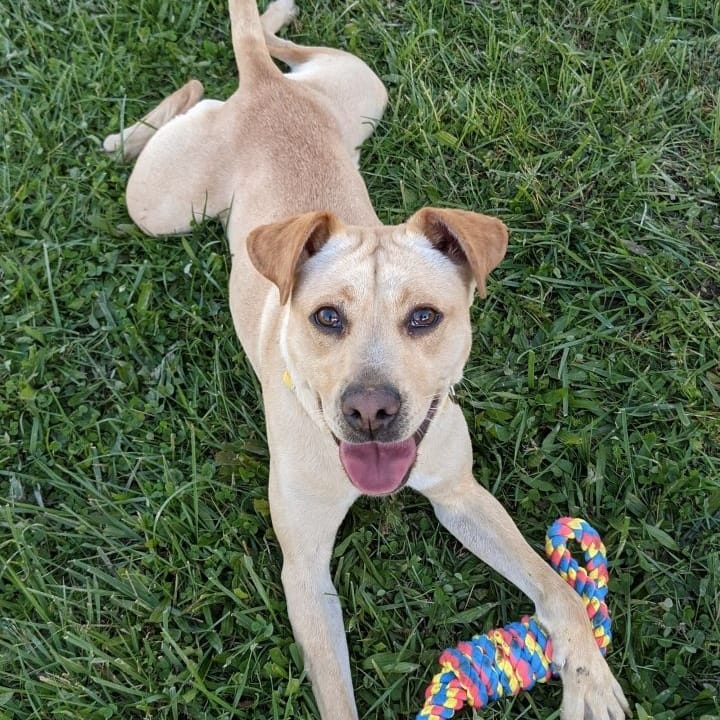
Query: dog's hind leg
x,y
181,175
356,95
130,142
182,146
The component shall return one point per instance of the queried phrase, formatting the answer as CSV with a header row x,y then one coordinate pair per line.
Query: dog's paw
x,y
286,9
125,146
111,144
288,6
590,692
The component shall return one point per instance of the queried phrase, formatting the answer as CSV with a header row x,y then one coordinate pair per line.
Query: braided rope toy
x,y
508,660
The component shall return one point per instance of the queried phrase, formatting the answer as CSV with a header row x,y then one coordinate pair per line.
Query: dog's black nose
x,y
370,409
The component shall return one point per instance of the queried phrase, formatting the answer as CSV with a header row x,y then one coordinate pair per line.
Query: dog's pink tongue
x,y
378,468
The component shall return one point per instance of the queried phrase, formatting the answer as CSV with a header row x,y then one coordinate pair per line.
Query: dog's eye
x,y
423,318
328,318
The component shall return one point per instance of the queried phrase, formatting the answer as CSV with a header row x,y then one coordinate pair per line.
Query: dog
x,y
356,330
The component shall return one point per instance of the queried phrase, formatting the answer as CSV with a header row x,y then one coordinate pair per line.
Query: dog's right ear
x,y
279,249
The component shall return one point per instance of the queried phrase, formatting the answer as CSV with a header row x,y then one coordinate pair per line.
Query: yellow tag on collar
x,y
287,380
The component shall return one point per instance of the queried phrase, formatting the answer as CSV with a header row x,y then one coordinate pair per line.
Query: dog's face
x,y
376,327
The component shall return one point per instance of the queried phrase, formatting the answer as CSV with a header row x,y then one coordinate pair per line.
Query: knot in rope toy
x,y
508,660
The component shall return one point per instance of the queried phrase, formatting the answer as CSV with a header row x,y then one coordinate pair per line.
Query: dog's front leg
x,y
306,524
483,526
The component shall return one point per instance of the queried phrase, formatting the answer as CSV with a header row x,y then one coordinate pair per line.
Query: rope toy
x,y
508,660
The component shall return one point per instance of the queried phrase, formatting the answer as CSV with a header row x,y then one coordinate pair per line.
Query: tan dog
x,y
357,331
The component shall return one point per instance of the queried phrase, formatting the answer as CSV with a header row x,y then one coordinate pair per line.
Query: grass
x,y
139,574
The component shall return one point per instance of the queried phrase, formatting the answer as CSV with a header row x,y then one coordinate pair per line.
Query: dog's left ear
x,y
480,241
279,249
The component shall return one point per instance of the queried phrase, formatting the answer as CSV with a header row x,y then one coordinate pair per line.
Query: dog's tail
x,y
248,38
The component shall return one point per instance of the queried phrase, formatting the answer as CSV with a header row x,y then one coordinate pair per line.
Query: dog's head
x,y
376,327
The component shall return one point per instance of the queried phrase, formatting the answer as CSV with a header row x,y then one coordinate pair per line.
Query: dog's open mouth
x,y
377,468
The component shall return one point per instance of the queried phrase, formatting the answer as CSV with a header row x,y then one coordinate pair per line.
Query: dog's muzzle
x,y
381,468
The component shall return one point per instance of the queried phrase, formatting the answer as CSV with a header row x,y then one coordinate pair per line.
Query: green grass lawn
x,y
139,573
